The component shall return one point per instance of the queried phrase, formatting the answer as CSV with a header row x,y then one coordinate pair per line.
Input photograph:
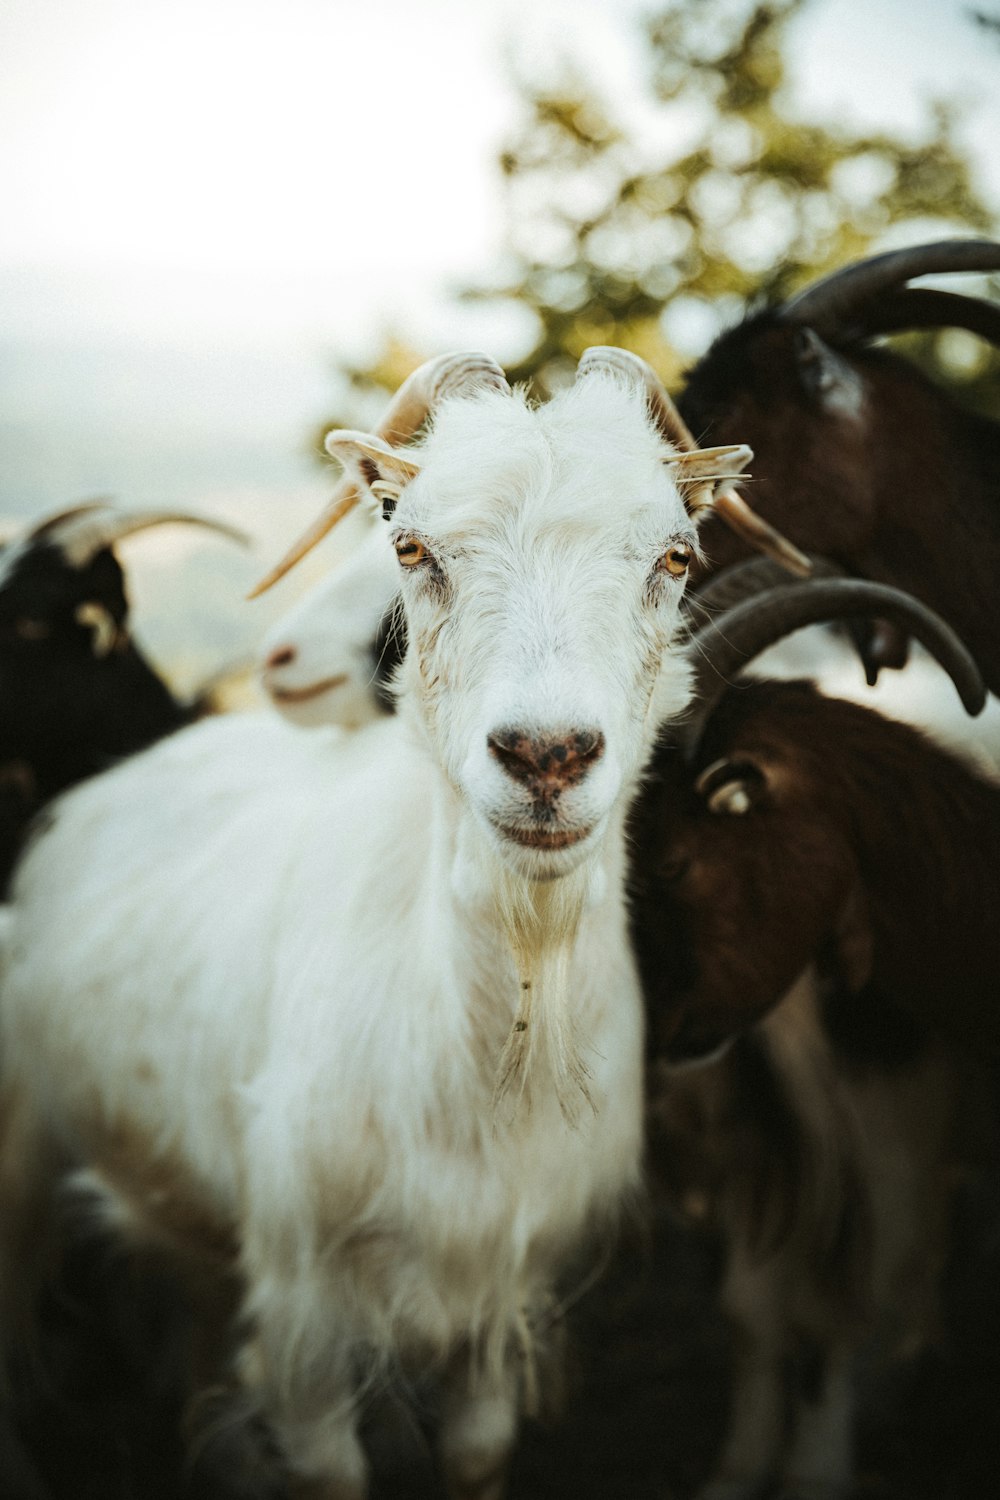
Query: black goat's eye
x,y
27,629
676,560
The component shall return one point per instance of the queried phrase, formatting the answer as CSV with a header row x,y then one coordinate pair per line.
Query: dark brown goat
x,y
857,455
809,830
817,883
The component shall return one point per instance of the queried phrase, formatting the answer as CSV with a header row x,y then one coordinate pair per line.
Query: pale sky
x,y
285,169
205,202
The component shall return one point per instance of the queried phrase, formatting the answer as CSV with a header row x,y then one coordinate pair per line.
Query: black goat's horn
x,y
721,649
84,530
834,300
925,307
429,383
744,580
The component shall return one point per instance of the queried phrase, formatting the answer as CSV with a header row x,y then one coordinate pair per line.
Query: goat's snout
x,y
546,764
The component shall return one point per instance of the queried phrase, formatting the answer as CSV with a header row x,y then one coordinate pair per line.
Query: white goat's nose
x,y
281,656
546,763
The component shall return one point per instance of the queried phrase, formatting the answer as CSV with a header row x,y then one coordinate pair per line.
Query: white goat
x,y
365,1008
320,660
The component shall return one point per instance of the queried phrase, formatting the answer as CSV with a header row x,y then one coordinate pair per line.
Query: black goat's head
x,y
741,874
745,864
74,690
855,450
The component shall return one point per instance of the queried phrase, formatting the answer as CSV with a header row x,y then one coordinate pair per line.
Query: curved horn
x,y
84,530
724,647
926,307
728,505
832,300
668,419
429,383
760,534
744,580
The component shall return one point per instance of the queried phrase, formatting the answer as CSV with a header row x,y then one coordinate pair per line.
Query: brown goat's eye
x,y
410,552
676,560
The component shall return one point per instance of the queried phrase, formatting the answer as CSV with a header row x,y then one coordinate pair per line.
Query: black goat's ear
x,y
733,786
826,377
854,943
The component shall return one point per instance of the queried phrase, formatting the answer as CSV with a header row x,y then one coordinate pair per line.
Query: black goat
x,y
809,830
818,883
76,693
857,455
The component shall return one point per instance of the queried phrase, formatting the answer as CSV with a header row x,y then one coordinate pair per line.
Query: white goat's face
x,y
316,661
542,556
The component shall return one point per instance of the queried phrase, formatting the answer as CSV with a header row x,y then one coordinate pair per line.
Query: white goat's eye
x,y
32,630
410,552
676,560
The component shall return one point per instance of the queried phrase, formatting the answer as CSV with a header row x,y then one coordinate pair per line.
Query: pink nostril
x,y
282,657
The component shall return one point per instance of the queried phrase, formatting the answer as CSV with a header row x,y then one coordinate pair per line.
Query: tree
x,y
609,242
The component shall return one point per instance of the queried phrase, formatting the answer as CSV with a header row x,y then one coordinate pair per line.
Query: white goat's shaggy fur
x,y
266,983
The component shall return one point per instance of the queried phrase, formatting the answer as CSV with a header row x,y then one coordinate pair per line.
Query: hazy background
x,y
206,205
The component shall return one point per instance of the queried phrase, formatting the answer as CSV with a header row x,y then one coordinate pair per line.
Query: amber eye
x,y
676,560
410,552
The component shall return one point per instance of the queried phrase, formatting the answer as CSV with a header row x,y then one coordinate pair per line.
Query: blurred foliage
x,y
614,241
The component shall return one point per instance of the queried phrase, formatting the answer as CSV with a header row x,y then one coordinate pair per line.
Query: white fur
x,y
281,972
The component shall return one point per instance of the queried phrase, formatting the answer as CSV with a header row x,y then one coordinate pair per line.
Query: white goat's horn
x,y
728,505
662,409
84,530
431,382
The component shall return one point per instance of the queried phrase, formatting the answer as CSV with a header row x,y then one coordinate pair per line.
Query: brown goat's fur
x,y
835,928
902,488
867,850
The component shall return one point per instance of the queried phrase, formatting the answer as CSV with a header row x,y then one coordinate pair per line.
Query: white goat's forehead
x,y
589,457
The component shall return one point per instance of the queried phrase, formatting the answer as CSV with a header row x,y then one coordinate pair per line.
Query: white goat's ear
x,y
703,472
732,786
380,472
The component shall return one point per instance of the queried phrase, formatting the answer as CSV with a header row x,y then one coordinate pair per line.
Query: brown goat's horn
x,y
744,580
724,647
925,307
84,530
833,301
728,505
431,382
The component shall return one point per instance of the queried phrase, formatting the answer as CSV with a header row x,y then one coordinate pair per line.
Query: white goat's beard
x,y
541,920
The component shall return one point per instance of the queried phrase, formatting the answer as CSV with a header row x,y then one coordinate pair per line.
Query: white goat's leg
x,y
311,1411
478,1427
819,1464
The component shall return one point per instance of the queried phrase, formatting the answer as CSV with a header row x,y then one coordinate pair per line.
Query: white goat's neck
x,y
529,938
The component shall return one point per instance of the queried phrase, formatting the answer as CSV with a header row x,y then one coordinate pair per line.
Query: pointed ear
x,y
703,472
380,472
828,379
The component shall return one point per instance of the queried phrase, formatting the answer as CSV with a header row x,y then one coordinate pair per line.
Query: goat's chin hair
x,y
541,920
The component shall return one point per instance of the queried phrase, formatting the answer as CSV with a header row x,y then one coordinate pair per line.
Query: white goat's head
x,y
541,555
317,661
